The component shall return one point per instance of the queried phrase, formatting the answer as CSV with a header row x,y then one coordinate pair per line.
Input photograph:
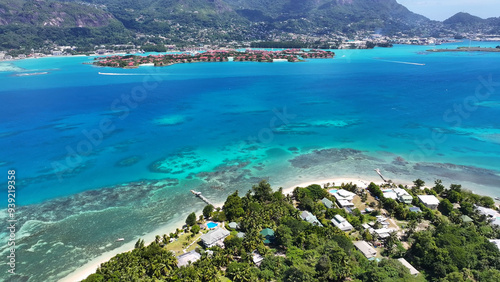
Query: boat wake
x,y
399,62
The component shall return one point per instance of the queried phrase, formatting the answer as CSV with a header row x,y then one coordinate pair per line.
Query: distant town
x,y
361,41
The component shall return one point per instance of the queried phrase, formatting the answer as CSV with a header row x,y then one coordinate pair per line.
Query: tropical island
x,y
326,232
289,55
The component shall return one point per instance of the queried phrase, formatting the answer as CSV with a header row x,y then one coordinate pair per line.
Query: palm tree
x,y
165,239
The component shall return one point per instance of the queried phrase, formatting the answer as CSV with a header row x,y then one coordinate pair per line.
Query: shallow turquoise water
x,y
218,127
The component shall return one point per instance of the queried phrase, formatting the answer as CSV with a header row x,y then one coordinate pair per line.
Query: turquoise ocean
x,y
105,156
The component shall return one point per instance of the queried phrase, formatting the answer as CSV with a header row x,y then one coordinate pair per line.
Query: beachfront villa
x,y
367,250
344,197
341,223
429,201
309,217
187,258
214,237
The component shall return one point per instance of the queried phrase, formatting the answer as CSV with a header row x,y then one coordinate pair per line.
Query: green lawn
x,y
178,245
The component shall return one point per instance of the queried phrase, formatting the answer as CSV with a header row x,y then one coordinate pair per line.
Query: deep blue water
x,y
223,124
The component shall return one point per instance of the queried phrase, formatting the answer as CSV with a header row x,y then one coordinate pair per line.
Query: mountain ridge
x,y
91,22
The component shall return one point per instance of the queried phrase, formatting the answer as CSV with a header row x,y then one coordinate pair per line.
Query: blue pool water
x,y
103,157
211,225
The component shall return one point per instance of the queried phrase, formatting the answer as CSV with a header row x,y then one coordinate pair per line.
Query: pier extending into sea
x,y
199,195
381,176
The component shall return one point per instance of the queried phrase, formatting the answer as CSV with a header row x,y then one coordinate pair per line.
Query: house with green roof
x,y
466,218
268,234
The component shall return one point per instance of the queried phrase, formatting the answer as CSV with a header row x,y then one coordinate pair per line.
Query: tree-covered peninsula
x,y
329,233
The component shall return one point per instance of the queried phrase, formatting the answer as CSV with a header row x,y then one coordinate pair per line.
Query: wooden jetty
x,y
381,176
199,195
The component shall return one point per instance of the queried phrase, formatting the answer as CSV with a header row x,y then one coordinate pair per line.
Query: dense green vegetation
x,y
449,250
33,24
35,37
26,24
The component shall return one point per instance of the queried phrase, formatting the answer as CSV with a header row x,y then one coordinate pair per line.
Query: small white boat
x,y
120,239
497,198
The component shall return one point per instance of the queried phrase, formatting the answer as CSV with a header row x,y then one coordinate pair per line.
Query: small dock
x,y
380,174
199,195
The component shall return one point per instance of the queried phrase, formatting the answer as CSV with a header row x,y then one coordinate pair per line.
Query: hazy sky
x,y
443,9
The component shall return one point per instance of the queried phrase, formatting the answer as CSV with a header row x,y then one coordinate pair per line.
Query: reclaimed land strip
x,y
290,55
466,49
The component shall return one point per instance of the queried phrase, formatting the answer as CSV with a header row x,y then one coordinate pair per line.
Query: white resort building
x,y
429,201
341,223
215,237
344,197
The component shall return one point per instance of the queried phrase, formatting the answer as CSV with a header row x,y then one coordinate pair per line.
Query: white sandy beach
x,y
358,181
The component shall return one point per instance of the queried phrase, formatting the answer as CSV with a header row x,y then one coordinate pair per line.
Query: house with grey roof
x,y
410,267
257,258
429,201
309,217
214,237
233,225
367,250
187,258
491,214
415,209
328,204
341,223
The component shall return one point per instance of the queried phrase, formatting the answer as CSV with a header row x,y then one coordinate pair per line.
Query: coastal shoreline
x,y
91,266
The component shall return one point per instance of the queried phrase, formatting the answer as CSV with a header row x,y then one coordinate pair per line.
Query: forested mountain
x,y
464,22
52,13
32,23
330,16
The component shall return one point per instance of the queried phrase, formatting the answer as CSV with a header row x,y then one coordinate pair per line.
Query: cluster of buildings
x,y
290,55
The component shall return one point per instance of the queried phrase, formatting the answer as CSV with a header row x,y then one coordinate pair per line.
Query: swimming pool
x,y
211,225
333,191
